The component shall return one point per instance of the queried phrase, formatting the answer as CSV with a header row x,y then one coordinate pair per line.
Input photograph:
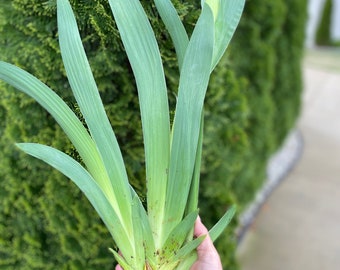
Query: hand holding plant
x,y
161,236
208,257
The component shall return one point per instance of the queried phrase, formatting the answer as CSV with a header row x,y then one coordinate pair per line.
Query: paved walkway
x,y
299,226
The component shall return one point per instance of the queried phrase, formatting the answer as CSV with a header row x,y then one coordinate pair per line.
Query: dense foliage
x,y
252,102
323,35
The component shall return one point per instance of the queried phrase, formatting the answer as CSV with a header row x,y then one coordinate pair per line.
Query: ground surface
x,y
299,226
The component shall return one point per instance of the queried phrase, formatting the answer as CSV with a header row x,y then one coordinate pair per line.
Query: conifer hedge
x,y
252,103
323,33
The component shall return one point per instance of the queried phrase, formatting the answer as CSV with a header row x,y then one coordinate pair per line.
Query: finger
x,y
199,229
207,246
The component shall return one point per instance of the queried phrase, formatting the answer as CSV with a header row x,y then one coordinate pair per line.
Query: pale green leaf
x,y
192,203
220,226
68,121
188,248
215,6
148,244
229,15
188,261
175,28
138,233
193,84
178,236
73,170
86,93
122,262
143,53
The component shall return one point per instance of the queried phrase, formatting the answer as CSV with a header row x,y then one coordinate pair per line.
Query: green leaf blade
x,y
86,93
175,28
229,15
143,53
73,170
138,232
49,100
192,204
186,250
220,226
192,88
178,236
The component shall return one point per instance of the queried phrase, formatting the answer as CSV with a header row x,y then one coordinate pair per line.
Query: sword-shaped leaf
x,y
192,203
220,226
86,93
73,170
178,236
175,28
74,129
143,53
186,250
138,232
228,17
193,84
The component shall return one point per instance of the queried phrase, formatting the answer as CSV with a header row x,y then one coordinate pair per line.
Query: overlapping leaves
x,y
161,237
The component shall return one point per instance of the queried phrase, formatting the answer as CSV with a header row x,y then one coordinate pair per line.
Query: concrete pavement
x,y
298,228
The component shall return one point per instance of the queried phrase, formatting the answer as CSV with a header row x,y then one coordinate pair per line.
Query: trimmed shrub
x,y
258,32
323,34
288,83
252,102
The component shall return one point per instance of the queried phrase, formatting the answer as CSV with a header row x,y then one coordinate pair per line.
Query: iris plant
x,y
161,236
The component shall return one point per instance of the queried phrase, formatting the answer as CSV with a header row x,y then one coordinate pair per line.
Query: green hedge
x,y
323,33
252,102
